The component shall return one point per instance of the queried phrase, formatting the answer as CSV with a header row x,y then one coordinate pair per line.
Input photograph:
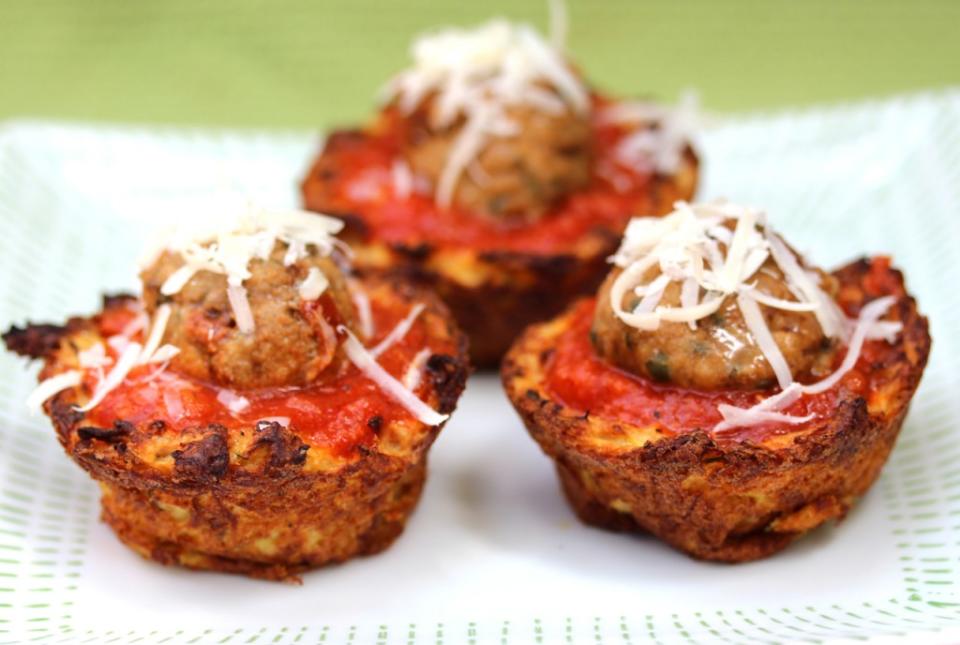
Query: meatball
x,y
720,352
293,341
515,178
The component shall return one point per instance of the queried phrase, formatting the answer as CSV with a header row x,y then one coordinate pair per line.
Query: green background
x,y
319,62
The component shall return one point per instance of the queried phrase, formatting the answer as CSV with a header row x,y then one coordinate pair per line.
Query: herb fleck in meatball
x,y
720,352
293,341
514,178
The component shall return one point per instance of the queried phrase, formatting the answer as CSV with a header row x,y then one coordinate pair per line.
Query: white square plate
x,y
493,554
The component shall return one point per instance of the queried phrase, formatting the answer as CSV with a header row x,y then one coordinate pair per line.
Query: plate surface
x,y
492,553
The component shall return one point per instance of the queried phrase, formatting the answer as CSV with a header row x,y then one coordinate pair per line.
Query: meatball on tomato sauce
x,y
513,178
709,299
720,392
495,121
253,412
246,310
293,339
496,175
719,350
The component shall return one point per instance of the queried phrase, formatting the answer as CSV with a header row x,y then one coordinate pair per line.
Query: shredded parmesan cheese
x,y
295,250
765,411
661,135
367,364
869,316
692,246
402,178
131,354
227,245
284,421
884,330
329,336
164,353
178,280
160,319
51,386
173,403
414,373
398,332
476,75
237,296
364,314
314,285
118,343
232,401
761,333
686,247
128,359
734,417
831,319
690,297
155,374
779,303
93,356
139,322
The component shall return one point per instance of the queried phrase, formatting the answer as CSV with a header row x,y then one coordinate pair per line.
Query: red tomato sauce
x,y
341,415
580,379
364,186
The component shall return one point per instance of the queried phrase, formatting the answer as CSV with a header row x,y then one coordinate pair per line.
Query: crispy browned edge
x,y
719,499
234,487
513,289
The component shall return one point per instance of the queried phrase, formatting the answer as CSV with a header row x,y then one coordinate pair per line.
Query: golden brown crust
x,y
493,295
262,500
713,498
41,341
169,525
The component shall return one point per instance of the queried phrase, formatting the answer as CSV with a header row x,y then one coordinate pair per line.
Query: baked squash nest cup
x,y
256,411
495,176
666,418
